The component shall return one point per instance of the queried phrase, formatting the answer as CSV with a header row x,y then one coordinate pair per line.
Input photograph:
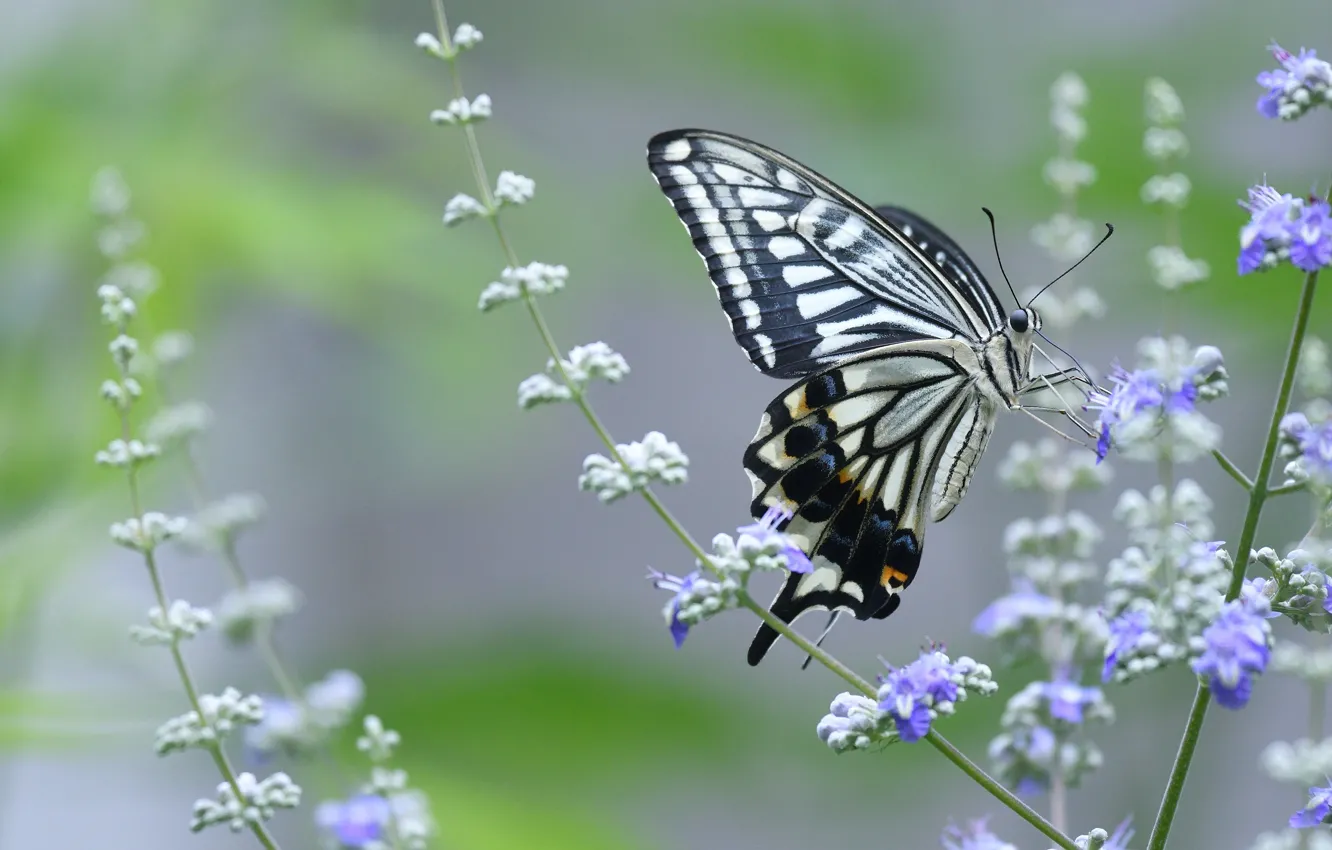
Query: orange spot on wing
x,y
889,574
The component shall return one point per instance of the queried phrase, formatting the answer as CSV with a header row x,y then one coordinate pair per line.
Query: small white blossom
x,y
593,361
218,524
181,620
462,207
117,307
511,188
429,43
1293,839
1162,104
110,194
1067,175
378,742
1064,309
177,425
697,597
257,802
654,459
385,781
536,278
541,389
1064,236
1315,369
259,603
133,277
123,454
146,534
1162,144
1049,467
121,393
466,36
854,722
218,715
116,239
1172,268
1302,761
1169,189
172,348
460,110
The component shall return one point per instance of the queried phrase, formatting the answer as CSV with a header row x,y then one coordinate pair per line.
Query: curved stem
x,y
1232,469
1258,494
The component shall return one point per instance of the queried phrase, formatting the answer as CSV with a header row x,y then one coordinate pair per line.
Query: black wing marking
x,y
807,273
940,248
853,451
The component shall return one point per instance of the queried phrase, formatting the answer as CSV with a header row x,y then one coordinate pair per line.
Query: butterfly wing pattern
x,y
882,317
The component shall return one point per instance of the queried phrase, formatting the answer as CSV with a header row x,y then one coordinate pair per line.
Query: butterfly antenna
x,y
1109,231
994,237
832,620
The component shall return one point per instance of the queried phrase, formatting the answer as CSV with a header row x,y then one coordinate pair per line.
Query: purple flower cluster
x,y
1302,81
974,836
1067,698
356,822
1125,632
683,588
1013,612
1314,441
766,533
1319,807
1235,652
1137,392
1283,227
910,694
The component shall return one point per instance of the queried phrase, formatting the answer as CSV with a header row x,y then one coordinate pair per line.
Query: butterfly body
x,y
903,354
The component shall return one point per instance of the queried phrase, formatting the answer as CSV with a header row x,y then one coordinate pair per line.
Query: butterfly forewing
x,y
806,273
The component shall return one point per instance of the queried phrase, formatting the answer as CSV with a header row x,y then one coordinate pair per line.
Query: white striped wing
x,y
808,274
857,452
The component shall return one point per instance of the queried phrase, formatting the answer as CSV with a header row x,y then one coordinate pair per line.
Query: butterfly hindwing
x,y
808,274
854,452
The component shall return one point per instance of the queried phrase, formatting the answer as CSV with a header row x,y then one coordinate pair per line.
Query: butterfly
x,y
903,356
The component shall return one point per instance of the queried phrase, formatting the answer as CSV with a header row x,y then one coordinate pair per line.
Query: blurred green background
x,y
281,157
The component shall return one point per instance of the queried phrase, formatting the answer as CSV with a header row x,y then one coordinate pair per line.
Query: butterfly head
x,y
1024,321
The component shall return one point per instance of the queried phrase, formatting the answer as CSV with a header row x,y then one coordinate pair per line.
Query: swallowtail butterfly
x,y
902,351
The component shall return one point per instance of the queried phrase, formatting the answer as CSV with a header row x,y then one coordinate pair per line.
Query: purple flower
x,y
681,587
1316,445
1311,237
1271,216
1256,596
1134,392
1305,70
356,821
1125,632
1010,612
909,692
1067,698
976,836
1235,651
1320,805
765,531
1120,838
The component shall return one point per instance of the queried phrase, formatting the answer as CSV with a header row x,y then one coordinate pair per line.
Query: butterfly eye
x,y
1018,321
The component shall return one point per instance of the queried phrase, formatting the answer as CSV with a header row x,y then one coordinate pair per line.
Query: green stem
x,y
1002,794
1284,489
1257,497
1233,470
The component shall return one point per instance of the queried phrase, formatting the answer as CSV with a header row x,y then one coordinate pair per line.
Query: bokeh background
x,y
280,155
